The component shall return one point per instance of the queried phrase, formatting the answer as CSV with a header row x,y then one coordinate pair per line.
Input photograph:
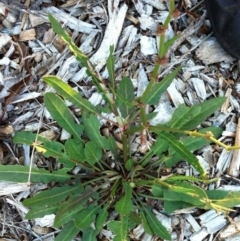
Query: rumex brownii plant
x,y
113,178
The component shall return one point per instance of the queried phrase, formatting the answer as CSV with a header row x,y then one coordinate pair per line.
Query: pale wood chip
x,y
226,104
196,227
8,83
199,86
175,95
7,188
46,221
211,52
71,21
158,4
224,161
142,81
25,97
4,39
27,35
3,9
230,231
115,25
18,206
190,30
148,45
36,20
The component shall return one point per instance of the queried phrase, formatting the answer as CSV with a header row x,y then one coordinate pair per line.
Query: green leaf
x,y
151,115
231,200
52,196
24,137
125,97
192,143
120,228
158,147
158,89
170,42
155,225
186,118
66,162
92,129
80,56
101,218
110,66
129,164
69,209
146,225
89,235
59,111
68,93
113,147
182,151
216,194
50,148
92,152
39,212
68,232
183,191
136,217
17,173
157,190
124,205
75,150
45,146
86,217
172,206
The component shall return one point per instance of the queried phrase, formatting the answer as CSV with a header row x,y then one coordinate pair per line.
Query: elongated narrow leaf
x,y
158,89
146,225
170,42
156,226
216,194
231,200
124,205
110,66
39,212
68,93
52,196
192,143
68,232
89,235
120,228
125,97
80,56
183,191
172,206
86,217
92,129
182,151
17,173
59,111
101,218
186,118
68,210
